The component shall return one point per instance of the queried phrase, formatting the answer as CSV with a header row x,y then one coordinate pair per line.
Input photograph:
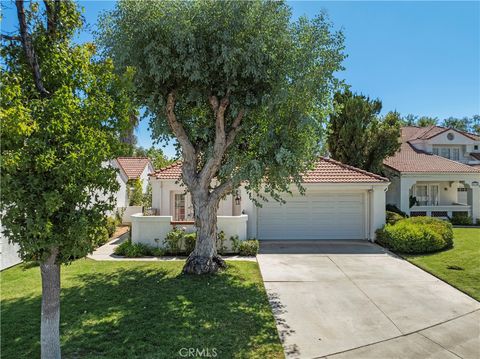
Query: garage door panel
x,y
314,216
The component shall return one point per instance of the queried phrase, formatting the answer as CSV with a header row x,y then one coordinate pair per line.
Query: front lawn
x,y
142,310
459,266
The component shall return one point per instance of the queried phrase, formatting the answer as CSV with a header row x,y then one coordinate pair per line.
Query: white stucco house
x,y
341,202
435,173
130,169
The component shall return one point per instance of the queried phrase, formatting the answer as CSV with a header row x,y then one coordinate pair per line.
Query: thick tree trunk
x,y
204,258
50,322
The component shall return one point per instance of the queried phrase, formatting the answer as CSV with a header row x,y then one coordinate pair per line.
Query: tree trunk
x,y
204,258
50,322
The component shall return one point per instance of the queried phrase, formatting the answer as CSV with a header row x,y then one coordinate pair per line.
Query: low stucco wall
x,y
9,254
146,229
128,212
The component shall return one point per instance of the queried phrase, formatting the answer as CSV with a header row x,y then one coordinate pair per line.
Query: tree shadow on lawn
x,y
148,313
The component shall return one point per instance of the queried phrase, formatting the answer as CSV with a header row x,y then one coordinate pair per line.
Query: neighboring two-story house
x,y
435,173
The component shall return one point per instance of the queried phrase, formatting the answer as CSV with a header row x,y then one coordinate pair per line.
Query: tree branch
x,y
10,38
219,146
52,16
222,190
29,50
188,151
235,128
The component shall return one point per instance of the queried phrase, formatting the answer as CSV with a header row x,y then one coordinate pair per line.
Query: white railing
x,y
449,209
152,230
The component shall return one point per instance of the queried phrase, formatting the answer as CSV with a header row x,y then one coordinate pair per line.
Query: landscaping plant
x,y
416,235
62,112
244,90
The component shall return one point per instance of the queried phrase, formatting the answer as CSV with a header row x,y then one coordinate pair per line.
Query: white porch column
x,y
474,200
377,209
405,185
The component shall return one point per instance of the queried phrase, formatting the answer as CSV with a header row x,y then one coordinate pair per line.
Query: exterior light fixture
x,y
238,199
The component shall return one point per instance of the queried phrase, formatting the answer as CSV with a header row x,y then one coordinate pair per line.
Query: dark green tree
x,y
242,88
358,136
156,156
62,113
426,121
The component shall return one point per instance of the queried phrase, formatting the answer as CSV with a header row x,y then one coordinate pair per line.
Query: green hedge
x,y
393,217
248,248
135,250
461,219
416,235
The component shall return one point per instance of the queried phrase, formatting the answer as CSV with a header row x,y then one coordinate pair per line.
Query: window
x,y
475,147
455,154
450,136
179,206
445,152
427,194
435,151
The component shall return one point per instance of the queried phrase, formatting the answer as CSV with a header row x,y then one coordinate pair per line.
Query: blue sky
x,y
417,57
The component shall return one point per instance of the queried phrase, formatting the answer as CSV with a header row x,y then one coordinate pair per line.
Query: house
x,y
435,173
341,202
130,169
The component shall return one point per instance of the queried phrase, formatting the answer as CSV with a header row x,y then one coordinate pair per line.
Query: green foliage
x,y
459,218
235,243
147,196
393,208
111,226
358,136
55,191
156,156
280,72
416,235
135,195
221,242
393,217
249,247
173,241
465,124
136,250
189,242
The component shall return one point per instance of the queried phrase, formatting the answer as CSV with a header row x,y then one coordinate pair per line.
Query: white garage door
x,y
314,216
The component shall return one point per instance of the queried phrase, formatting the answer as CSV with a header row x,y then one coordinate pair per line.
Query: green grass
x,y
459,266
142,310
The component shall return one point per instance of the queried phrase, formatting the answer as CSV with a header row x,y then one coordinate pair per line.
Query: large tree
x,y
358,136
62,114
242,89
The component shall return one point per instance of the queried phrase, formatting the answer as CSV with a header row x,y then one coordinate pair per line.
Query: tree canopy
x,y
62,113
244,90
278,78
358,136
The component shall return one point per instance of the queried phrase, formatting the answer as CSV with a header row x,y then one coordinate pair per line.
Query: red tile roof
x,y
133,166
172,171
410,159
326,171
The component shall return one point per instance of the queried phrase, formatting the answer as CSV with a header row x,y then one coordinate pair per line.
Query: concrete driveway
x,y
352,299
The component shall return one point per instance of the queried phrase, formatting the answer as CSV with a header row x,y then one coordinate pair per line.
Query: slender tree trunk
x,y
50,322
204,258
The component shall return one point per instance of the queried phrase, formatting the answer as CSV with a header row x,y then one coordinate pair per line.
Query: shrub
x,y
111,226
135,250
173,241
221,242
248,248
393,217
135,194
461,219
103,236
189,242
393,208
416,235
